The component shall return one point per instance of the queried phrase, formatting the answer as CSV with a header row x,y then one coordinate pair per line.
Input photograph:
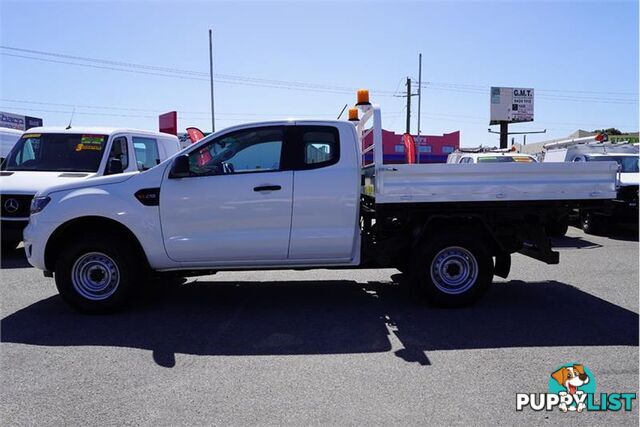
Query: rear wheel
x,y
557,228
97,274
453,270
591,223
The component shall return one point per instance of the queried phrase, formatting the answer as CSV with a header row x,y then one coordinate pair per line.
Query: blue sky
x,y
581,57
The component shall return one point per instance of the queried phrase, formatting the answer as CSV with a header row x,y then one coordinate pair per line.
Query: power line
x,y
571,98
181,73
104,107
485,87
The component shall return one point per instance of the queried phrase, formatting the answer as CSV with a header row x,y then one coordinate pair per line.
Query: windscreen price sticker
x,y
90,142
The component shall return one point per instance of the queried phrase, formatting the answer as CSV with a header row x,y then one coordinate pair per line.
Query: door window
x,y
120,151
146,151
245,151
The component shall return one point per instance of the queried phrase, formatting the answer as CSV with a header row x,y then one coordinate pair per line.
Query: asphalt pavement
x,y
339,347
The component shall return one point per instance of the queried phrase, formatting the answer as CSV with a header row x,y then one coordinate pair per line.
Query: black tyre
x,y
591,223
557,228
9,245
453,270
97,274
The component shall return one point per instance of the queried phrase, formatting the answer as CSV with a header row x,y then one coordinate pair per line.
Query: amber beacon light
x,y
353,115
363,97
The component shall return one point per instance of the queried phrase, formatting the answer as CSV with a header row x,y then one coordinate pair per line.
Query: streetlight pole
x,y
213,116
419,102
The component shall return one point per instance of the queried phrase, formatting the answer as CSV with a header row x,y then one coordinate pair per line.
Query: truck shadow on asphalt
x,y
328,317
568,242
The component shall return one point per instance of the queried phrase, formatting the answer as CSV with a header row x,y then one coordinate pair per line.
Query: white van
x,y
8,138
47,156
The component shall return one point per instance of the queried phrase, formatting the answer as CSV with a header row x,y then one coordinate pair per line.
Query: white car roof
x,y
495,154
10,131
95,130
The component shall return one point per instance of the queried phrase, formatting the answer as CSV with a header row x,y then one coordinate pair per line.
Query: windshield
x,y
627,163
56,152
505,159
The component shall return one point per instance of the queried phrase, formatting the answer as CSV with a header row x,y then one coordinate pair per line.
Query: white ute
x,y
46,156
624,208
296,195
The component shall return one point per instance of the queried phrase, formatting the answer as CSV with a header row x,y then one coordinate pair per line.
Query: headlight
x,y
39,203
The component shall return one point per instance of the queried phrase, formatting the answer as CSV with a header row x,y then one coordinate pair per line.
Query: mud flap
x,y
539,246
502,265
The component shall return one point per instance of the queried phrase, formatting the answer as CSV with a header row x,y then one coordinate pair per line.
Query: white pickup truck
x,y
296,195
45,156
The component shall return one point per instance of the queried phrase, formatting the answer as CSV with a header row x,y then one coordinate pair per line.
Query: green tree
x,y
609,131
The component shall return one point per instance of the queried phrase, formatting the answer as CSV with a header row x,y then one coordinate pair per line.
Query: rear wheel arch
x,y
473,225
84,225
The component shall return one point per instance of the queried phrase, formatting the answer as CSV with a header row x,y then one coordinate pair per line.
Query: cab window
x,y
320,146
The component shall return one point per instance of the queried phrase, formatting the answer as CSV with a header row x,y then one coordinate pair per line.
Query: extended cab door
x,y
326,198
235,207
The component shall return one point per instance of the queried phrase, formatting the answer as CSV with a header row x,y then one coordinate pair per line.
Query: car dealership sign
x,y
511,105
16,121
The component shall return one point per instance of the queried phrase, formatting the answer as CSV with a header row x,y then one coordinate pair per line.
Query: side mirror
x,y
180,167
114,166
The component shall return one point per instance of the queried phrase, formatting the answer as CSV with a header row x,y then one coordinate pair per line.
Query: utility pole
x,y
213,116
419,104
408,105
504,134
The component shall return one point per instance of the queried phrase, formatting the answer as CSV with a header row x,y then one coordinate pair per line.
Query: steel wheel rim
x,y
454,270
95,276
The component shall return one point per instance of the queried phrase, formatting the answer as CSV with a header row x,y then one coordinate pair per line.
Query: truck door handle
x,y
267,188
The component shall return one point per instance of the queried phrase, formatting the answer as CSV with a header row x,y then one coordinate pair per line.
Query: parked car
x,y
294,194
489,155
8,138
47,156
624,208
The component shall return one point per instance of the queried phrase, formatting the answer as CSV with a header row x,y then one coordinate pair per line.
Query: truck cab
x,y
46,156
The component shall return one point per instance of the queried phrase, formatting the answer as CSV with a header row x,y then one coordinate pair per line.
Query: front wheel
x,y
96,274
453,270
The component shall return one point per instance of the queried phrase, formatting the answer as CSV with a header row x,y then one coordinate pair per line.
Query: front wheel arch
x,y
83,226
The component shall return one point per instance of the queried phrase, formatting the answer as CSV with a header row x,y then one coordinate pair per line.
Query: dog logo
x,y
572,388
571,382
11,205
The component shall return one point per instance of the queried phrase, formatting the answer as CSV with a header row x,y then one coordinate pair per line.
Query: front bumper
x,y
36,235
12,229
